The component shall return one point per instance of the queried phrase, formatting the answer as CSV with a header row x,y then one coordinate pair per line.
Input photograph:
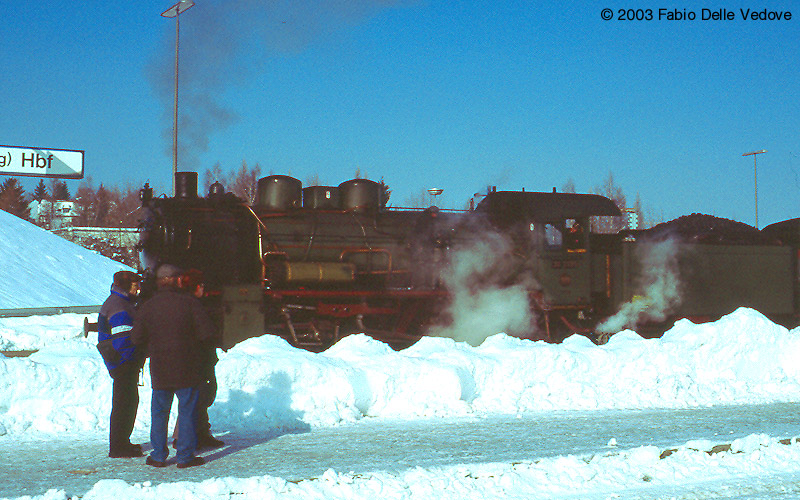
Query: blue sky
x,y
455,95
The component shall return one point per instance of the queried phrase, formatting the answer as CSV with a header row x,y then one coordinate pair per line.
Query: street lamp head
x,y
755,152
178,8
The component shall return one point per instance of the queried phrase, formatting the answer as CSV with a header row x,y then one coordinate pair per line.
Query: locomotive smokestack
x,y
186,185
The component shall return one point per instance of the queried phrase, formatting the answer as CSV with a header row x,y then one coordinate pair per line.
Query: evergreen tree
x,y
12,199
102,206
386,193
40,193
60,191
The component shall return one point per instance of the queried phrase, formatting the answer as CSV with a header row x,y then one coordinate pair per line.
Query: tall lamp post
x,y
755,177
175,11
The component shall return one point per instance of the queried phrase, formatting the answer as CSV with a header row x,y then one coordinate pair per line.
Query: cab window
x,y
552,236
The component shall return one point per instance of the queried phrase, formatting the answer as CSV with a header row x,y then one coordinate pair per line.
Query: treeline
x,y
116,207
611,190
91,207
110,206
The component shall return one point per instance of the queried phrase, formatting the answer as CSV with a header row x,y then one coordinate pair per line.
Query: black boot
x,y
209,442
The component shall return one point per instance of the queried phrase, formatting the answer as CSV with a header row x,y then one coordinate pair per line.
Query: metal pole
x,y
175,115
755,186
175,11
755,178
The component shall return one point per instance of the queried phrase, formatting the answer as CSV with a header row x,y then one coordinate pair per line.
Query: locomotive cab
x,y
569,275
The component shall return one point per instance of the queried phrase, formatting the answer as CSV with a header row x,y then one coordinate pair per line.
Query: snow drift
x,y
265,383
41,269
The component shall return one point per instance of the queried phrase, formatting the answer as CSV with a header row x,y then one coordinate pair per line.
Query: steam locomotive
x,y
313,264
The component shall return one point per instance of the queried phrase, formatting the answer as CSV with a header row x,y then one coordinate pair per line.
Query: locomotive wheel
x,y
399,330
555,326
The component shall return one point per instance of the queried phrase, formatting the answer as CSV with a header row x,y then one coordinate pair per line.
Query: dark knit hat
x,y
124,279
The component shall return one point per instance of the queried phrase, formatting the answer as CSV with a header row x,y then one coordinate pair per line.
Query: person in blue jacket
x,y
115,322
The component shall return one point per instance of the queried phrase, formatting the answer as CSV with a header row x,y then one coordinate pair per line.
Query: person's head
x,y
168,275
127,281
192,282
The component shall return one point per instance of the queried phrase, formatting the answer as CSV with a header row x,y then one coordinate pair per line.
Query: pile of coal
x,y
702,228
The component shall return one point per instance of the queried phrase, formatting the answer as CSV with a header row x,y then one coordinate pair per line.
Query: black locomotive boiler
x,y
317,263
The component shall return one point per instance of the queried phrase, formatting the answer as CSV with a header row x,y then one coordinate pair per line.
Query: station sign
x,y
41,162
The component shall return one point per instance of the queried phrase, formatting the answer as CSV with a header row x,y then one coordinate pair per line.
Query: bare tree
x,y
245,182
616,194
84,202
125,207
420,200
313,180
605,224
215,174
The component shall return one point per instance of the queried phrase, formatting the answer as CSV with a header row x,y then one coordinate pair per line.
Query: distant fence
x,y
120,236
47,311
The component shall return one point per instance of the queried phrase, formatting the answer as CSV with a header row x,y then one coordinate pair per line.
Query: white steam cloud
x,y
660,285
488,296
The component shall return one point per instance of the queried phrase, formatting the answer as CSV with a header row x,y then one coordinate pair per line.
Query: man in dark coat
x,y
123,361
192,282
175,328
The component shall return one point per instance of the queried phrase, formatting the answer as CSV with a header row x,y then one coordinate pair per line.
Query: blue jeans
x,y
160,407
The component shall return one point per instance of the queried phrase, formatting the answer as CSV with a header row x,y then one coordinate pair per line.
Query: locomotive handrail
x,y
270,253
363,229
420,209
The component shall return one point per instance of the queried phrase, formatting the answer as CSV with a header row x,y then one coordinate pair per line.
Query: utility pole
x,y
175,11
755,177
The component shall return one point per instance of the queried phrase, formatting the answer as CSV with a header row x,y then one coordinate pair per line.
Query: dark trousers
x,y
208,393
160,405
124,403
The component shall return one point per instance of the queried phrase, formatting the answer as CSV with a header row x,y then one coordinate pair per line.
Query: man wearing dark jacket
x,y
175,327
123,361
192,282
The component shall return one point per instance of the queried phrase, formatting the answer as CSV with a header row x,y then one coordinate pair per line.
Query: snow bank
x,y
63,390
264,383
41,269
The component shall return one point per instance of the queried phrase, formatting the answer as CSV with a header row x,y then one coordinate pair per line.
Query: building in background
x,y
53,215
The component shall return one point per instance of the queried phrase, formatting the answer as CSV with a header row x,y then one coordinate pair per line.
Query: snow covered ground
x,y
40,269
742,359
61,394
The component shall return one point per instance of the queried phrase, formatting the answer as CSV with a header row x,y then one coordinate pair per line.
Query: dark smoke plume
x,y
226,42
